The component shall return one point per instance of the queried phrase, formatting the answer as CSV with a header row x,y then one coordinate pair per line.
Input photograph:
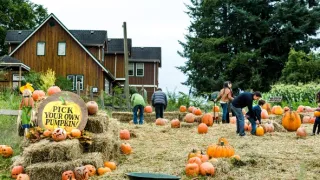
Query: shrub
x,y
64,83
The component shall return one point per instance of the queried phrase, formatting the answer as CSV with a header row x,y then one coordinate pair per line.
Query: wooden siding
x,y
12,47
148,78
76,60
94,50
109,63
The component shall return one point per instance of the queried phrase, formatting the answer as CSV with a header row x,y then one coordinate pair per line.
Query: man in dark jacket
x,y
242,100
159,102
257,116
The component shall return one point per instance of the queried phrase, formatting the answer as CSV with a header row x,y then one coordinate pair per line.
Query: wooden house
x,y
85,56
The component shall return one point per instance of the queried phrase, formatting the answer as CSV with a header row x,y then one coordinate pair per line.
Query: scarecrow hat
x,y
27,86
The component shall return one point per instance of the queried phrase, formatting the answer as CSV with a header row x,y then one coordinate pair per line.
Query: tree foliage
x,y
18,14
245,41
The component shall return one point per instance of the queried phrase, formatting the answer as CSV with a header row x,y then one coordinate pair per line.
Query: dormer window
x,y
61,48
41,46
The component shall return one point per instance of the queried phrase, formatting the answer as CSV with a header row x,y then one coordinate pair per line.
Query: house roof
x,y
64,27
115,45
10,61
146,54
86,37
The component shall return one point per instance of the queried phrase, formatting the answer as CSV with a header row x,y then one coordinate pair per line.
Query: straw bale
x,y
95,159
278,127
97,123
50,151
188,125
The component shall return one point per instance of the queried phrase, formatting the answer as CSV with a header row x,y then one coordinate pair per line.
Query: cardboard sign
x,y
64,109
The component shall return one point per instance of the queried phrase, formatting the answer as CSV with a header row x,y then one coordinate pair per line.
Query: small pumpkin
x,y
207,169
207,119
316,113
190,109
103,170
267,107
75,133
194,153
7,151
67,175
47,133
192,169
196,160
215,109
197,111
259,131
92,107
23,177
38,95
301,108
277,110
53,89
16,170
301,132
59,134
306,119
160,122
111,165
91,170
148,109
125,148
202,128
233,120
183,109
81,173
269,127
175,123
264,114
189,118
124,134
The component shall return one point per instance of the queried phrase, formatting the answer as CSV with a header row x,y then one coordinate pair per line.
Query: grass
x,y
8,136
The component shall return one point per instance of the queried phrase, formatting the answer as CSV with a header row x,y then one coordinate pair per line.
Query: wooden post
x,y
126,68
91,94
87,92
78,88
20,76
102,99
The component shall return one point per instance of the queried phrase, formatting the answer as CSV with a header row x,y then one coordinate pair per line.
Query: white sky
x,y
153,23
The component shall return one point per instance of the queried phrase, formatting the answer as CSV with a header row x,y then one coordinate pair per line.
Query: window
x,y
106,86
41,46
75,79
140,69
61,48
131,69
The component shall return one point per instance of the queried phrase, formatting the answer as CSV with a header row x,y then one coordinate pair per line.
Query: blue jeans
x,y
135,114
224,111
240,120
253,125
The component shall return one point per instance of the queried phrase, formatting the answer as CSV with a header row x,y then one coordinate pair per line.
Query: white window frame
x,y
142,67
131,67
62,46
41,48
81,82
106,86
74,79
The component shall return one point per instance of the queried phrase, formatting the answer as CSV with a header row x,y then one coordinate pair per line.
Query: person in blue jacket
x,y
244,99
256,119
159,102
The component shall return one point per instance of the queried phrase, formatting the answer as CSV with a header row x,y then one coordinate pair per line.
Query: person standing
x,y
242,100
137,102
225,97
159,102
316,123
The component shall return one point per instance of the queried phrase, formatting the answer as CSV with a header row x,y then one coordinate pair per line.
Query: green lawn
x,y
8,136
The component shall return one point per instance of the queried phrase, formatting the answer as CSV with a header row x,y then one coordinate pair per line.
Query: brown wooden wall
x,y
12,47
109,63
76,60
147,79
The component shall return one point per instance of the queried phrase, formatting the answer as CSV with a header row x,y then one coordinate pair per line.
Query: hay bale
x,y
97,123
188,125
50,151
278,127
95,159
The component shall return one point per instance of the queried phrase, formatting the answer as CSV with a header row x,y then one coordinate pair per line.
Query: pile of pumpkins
x,y
60,134
18,173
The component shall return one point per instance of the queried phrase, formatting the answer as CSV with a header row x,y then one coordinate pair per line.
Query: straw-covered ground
x,y
274,156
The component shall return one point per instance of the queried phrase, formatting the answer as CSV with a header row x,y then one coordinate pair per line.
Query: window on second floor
x,y
75,79
131,69
41,47
61,48
139,69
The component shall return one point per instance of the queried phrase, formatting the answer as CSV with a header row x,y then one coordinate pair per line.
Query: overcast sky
x,y
154,23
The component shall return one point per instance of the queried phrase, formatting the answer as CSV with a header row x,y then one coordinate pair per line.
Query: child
x,y
316,123
257,116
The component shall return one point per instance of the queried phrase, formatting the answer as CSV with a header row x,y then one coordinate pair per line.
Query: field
x,y
165,150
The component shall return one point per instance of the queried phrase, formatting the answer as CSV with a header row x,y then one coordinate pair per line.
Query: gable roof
x,y
86,37
146,54
62,25
115,45
10,61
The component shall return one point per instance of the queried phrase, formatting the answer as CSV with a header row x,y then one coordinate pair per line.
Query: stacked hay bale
x,y
47,159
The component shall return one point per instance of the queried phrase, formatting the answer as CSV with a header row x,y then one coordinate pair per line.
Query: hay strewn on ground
x,y
279,155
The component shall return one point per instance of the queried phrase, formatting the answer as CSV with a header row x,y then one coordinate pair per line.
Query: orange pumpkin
x,y
81,173
59,134
160,122
207,169
124,134
23,177
75,133
269,127
175,123
204,158
259,131
202,128
38,95
183,108
215,109
291,121
148,109
47,133
277,110
194,153
207,119
67,175
267,107
53,89
312,120
192,169
125,148
92,107
233,120
91,170
111,165
301,132
306,119
316,113
264,114
301,108
189,118
103,170
220,150
190,109
197,111
16,170
7,151
196,160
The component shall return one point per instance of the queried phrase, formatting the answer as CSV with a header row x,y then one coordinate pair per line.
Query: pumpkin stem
x,y
221,143
63,101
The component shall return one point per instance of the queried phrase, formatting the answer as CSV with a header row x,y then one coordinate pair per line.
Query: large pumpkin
x,y
192,169
92,107
53,89
38,95
59,134
183,108
264,114
81,173
301,132
277,110
267,107
207,169
233,120
202,128
291,121
220,150
316,113
207,119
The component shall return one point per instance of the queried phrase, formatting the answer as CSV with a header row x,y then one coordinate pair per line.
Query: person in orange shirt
x,y
225,96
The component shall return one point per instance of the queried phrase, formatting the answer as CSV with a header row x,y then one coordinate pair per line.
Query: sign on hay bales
x,y
63,109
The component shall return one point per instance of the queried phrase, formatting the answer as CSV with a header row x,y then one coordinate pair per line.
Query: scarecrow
x,y
26,106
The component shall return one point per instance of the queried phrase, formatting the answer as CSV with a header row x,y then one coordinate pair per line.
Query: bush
x,y
33,78
64,83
